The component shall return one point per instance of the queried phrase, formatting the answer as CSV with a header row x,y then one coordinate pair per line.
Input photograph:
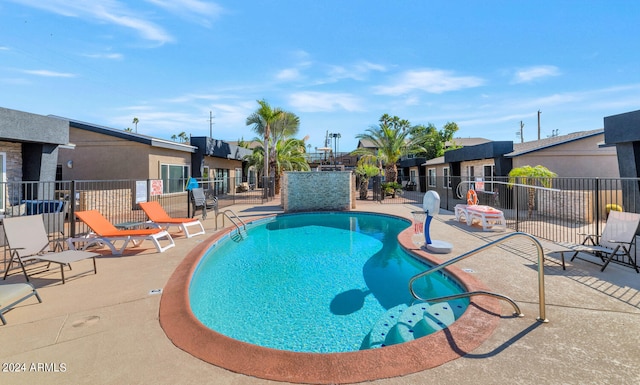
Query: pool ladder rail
x,y
541,318
241,227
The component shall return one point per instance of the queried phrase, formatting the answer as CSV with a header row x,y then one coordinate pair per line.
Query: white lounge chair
x,y
615,241
14,293
28,242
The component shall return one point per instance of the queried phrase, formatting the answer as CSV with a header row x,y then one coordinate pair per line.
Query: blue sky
x,y
339,65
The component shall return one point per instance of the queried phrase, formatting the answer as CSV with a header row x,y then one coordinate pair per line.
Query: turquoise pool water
x,y
325,283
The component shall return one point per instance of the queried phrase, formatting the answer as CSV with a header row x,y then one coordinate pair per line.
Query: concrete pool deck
x,y
104,328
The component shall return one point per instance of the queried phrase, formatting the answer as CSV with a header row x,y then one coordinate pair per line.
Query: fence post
x,y
596,209
72,209
515,203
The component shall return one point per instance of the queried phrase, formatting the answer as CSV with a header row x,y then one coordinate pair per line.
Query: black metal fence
x,y
117,200
557,209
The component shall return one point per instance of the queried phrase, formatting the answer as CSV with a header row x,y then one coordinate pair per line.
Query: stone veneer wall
x,y
106,200
575,205
13,153
317,191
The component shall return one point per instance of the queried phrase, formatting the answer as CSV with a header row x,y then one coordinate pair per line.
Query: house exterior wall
x,y
580,158
104,157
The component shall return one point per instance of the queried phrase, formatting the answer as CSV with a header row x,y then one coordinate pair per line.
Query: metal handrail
x,y
541,318
225,213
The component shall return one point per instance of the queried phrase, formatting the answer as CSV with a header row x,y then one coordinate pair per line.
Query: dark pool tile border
x,y
188,334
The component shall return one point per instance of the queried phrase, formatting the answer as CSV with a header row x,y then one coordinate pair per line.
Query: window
x,y
446,177
238,176
488,173
412,176
431,177
206,172
174,177
222,181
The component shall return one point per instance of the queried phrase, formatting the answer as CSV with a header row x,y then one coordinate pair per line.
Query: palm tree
x,y
366,169
392,140
135,121
531,176
183,137
262,120
174,137
290,156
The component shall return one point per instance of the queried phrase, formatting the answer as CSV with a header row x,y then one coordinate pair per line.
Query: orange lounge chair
x,y
157,215
103,232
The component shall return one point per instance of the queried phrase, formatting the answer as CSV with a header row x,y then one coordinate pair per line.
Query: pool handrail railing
x,y
541,318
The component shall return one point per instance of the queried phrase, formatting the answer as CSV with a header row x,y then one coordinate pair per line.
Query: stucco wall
x,y
580,158
317,191
104,157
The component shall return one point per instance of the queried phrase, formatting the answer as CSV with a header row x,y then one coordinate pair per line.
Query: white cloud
x,y
47,73
110,56
201,11
288,74
429,80
527,75
103,11
324,101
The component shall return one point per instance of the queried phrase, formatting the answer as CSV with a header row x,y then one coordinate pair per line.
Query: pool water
x,y
322,283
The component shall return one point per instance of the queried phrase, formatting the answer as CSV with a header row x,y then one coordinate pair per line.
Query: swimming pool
x,y
321,283
186,332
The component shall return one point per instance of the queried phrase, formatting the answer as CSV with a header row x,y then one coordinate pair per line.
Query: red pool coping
x,y
187,333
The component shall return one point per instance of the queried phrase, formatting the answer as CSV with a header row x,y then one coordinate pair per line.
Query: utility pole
x,y
539,124
521,132
211,124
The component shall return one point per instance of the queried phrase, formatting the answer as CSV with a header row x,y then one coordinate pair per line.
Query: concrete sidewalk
x,y
104,329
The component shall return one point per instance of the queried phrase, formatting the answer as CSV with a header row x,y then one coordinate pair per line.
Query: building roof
x,y
131,136
536,145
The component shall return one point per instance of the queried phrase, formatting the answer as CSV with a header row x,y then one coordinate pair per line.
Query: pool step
x,y
382,328
404,323
239,235
423,319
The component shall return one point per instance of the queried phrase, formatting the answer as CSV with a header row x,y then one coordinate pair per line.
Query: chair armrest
x,y
625,242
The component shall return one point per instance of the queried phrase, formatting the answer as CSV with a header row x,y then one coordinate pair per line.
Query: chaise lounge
x,y
28,242
14,293
159,216
103,232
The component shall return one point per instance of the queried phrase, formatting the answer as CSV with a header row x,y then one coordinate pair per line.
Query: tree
x,y
392,140
290,156
174,137
532,176
365,170
183,137
135,121
432,140
128,129
262,120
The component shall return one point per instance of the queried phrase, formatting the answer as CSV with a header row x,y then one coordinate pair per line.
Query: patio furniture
x,y
103,232
159,216
489,217
200,201
14,293
28,242
617,237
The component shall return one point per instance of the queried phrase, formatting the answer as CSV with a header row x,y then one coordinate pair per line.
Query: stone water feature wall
x,y
318,191
576,206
